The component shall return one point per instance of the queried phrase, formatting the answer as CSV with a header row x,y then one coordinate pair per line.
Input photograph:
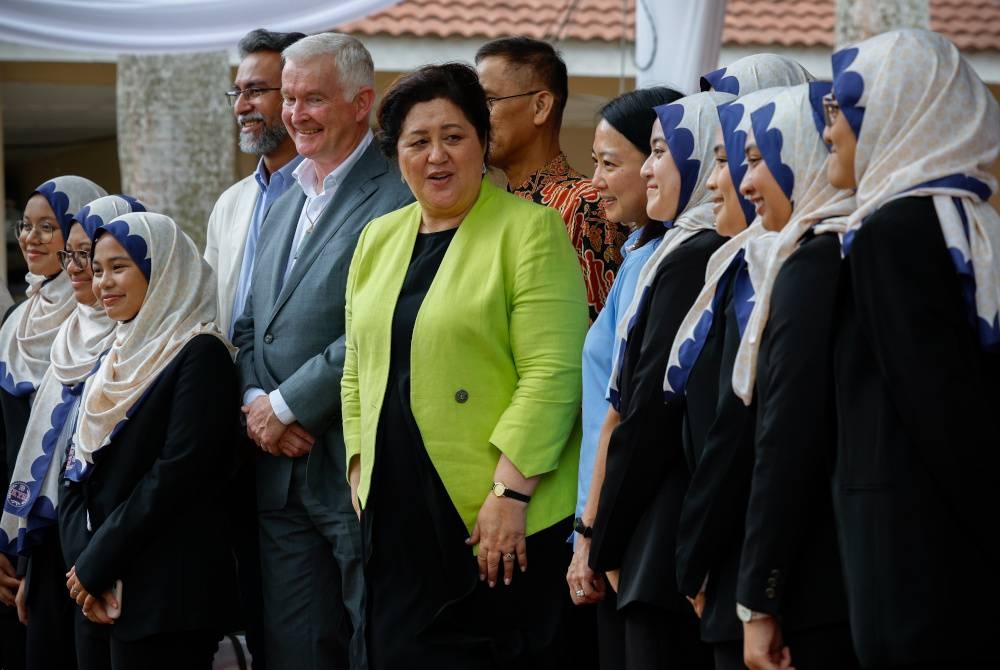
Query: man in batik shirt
x,y
526,88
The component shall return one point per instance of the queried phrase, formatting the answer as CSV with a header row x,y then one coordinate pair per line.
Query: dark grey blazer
x,y
291,336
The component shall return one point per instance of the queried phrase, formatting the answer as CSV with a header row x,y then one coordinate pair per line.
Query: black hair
x,y
632,115
265,40
455,82
540,57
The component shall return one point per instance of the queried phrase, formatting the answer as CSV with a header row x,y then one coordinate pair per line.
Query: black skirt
x,y
426,606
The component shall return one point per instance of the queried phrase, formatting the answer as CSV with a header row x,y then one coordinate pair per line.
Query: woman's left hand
x,y
499,531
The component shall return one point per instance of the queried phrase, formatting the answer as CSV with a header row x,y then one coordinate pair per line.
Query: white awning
x,y
163,26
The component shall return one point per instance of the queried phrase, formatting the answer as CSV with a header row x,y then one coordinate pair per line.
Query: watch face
x,y
499,489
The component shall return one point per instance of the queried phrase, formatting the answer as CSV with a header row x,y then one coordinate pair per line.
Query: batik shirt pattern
x,y
597,241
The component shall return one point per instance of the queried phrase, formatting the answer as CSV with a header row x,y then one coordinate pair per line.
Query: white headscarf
x,y
755,72
26,336
788,131
689,127
739,260
33,494
926,125
180,304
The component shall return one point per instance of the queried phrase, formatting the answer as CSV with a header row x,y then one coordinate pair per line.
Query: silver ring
x,y
509,556
579,593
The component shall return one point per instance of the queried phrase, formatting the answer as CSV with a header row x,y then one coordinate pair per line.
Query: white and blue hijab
x,y
180,304
755,72
32,497
926,125
26,336
788,131
689,126
738,262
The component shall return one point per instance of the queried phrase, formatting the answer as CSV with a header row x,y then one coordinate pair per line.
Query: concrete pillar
x,y
176,134
857,20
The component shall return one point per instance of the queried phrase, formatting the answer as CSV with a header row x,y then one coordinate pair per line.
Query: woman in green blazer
x,y
466,316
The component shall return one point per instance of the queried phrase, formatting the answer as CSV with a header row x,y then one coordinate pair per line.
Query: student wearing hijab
x,y
790,593
916,370
151,455
621,146
638,471
25,341
29,525
718,427
753,73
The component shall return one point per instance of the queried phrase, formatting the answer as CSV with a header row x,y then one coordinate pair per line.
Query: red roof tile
x,y
971,24
541,19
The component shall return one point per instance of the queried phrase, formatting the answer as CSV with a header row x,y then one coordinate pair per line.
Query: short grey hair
x,y
355,69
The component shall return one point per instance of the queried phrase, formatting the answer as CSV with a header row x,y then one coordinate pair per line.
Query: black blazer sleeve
x,y
795,429
647,442
714,506
196,456
942,385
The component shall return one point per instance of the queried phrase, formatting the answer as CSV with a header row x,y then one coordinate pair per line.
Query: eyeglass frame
x,y
492,101
250,92
19,231
65,257
831,109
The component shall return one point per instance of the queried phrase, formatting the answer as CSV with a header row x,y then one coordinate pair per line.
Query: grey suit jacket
x,y
291,335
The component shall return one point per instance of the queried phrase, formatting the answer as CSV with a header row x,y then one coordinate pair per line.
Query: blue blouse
x,y
597,354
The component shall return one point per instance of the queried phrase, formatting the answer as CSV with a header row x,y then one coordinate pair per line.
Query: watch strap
x,y
509,493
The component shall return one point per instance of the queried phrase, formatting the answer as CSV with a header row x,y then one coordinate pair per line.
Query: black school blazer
x,y
155,497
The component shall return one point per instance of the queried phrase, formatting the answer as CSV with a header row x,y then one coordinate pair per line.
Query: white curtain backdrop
x,y
163,26
677,41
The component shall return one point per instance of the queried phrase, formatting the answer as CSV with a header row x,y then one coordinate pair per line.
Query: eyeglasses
x,y
249,94
831,109
43,229
79,258
492,101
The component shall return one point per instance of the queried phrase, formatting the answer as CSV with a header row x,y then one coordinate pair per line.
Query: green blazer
x,y
495,355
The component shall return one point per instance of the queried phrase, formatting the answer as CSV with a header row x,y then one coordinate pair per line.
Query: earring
x,y
484,169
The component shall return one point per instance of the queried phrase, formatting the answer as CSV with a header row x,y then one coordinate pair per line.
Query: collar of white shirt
x,y
307,178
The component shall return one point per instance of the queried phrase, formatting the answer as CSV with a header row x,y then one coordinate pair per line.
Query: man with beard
x,y
234,225
233,229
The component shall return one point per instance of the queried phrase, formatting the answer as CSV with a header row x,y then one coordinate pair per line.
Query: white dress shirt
x,y
316,202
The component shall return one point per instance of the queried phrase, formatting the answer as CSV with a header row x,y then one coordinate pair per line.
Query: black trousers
x,y
12,636
191,650
49,644
610,630
729,655
822,648
658,639
93,643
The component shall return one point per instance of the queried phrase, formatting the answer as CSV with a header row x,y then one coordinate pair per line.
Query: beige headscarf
x,y
689,126
33,495
788,132
27,334
926,125
180,304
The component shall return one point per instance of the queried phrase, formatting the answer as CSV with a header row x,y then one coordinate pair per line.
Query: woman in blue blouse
x,y
621,146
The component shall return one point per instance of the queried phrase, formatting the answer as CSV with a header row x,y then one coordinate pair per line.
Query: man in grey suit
x,y
291,354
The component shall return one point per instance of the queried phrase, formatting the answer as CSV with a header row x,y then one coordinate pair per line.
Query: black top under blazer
x,y
789,565
156,499
718,442
646,476
918,458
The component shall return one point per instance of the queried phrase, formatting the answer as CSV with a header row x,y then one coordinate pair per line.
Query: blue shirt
x,y
271,188
598,349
